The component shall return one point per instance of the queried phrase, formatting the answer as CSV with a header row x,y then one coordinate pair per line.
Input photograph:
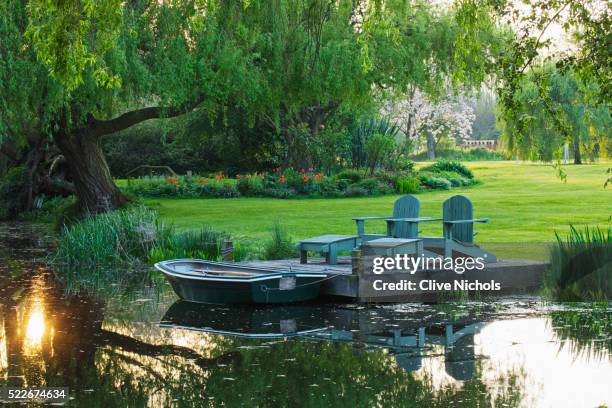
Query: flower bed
x,y
288,183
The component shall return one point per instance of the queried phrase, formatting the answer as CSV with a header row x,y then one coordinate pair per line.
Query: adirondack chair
x,y
404,223
458,230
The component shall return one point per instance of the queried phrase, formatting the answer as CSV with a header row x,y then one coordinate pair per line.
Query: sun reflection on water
x,y
3,351
35,329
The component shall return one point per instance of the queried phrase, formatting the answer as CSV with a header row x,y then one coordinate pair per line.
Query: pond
x,y
146,348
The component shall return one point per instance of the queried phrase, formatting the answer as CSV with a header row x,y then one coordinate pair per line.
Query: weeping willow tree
x,y
72,72
552,108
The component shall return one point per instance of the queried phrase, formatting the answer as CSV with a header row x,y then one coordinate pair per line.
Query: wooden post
x,y
227,250
357,262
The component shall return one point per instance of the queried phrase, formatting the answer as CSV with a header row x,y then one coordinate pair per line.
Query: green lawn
x,y
525,203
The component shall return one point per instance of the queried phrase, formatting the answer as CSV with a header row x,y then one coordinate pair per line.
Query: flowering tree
x,y
422,118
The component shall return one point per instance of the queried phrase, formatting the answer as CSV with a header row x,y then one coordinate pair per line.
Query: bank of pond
x,y
116,249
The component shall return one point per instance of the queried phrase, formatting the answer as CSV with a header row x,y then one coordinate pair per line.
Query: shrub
x,y
280,192
392,177
449,165
378,147
384,188
328,187
355,191
362,141
224,190
250,185
399,163
280,245
405,165
456,179
369,184
342,184
580,265
409,185
433,182
352,175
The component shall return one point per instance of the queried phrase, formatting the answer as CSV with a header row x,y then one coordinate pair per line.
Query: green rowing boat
x,y
203,281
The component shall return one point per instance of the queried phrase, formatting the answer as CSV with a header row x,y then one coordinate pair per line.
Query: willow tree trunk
x,y
89,171
577,156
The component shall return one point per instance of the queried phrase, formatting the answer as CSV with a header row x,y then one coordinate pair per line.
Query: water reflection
x,y
409,340
34,318
145,349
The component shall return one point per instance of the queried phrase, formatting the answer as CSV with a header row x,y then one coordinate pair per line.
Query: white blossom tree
x,y
421,118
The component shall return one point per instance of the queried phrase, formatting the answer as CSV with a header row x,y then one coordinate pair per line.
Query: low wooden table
x,y
330,245
392,246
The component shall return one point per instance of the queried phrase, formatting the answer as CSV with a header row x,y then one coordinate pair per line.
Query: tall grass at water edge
x,y
114,249
581,265
105,249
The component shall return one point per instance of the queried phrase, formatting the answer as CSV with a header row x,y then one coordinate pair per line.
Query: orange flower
x,y
305,179
173,180
219,176
203,181
318,177
282,179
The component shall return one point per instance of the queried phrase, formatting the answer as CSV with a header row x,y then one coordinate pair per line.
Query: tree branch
x,y
128,119
537,44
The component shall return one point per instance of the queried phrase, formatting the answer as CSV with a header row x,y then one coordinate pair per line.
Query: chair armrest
x,y
467,221
425,219
361,223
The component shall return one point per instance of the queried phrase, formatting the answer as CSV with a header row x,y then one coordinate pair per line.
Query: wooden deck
x,y
352,284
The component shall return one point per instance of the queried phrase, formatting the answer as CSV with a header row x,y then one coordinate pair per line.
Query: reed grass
x,y
280,244
114,251
203,243
106,249
581,265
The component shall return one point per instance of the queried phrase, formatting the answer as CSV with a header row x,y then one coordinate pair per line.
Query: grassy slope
x,y
525,203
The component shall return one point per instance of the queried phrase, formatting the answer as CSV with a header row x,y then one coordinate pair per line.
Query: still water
x,y
146,348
